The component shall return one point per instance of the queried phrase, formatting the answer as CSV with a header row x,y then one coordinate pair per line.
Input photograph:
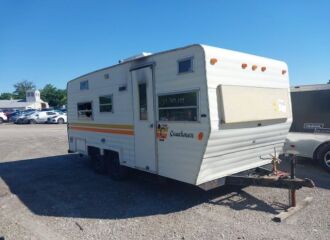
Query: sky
x,y
54,41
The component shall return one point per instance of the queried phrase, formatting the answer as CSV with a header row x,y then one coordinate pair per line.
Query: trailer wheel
x,y
115,170
323,156
98,164
97,160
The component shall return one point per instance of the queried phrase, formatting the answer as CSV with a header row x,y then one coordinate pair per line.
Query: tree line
x,y
49,93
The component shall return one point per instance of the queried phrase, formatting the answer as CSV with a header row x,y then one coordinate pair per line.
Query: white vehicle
x,y
195,114
3,117
60,119
40,117
310,131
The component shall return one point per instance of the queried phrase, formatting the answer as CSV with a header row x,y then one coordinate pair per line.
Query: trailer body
x,y
193,114
311,111
310,131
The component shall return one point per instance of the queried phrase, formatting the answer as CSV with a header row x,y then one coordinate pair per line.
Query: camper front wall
x,y
258,109
113,129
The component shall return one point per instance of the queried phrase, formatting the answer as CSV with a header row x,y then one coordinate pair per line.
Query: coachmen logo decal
x,y
181,134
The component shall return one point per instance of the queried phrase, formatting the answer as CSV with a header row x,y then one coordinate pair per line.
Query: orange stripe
x,y
100,130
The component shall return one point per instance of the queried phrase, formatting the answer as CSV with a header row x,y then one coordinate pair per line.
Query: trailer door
x,y
144,119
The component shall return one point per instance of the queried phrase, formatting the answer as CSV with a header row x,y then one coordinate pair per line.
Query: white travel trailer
x,y
195,114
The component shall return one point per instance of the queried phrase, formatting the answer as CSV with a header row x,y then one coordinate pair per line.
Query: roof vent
x,y
141,55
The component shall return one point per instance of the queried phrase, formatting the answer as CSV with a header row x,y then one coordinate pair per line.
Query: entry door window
x,y
143,108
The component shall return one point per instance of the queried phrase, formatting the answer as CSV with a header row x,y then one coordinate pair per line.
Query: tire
x,y
1,120
115,170
60,121
32,121
323,156
98,164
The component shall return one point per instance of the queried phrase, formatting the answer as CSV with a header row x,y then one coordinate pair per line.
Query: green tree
x,y
6,96
329,82
21,88
55,97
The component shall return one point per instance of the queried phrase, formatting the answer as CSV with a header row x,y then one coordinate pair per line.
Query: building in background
x,y
32,101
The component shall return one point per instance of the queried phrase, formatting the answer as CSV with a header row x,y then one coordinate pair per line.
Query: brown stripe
x,y
102,130
118,126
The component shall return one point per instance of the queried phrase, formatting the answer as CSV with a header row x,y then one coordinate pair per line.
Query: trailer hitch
x,y
276,179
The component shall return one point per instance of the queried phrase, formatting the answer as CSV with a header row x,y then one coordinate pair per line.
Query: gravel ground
x,y
47,194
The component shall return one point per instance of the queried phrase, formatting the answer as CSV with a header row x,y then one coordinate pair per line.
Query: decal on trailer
x,y
313,125
181,134
162,130
280,106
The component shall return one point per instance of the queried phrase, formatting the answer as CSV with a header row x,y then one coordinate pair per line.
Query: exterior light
x,y
213,61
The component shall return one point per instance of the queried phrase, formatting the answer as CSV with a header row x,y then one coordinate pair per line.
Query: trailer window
x,y
143,101
178,107
185,65
85,110
105,103
84,85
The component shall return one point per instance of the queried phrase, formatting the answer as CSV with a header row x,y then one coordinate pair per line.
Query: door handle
x,y
151,125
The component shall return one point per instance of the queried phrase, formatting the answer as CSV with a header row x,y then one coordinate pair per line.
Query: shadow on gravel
x,y
65,186
241,200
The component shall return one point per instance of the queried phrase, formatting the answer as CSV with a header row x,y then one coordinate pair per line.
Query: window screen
x,y
84,85
105,103
185,65
143,108
178,107
85,110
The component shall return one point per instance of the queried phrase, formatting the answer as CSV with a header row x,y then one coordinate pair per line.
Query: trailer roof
x,y
315,87
128,60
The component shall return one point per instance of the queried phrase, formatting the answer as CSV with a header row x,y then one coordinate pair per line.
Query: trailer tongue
x,y
270,180
276,179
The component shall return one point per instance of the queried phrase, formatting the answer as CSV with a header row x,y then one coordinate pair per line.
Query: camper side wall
x,y
182,113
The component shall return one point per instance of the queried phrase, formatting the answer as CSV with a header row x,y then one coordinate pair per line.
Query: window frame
x,y
196,90
191,58
81,82
92,110
103,112
139,100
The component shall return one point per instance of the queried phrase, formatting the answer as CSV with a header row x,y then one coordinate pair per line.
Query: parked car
x,y
13,116
21,117
8,112
60,119
40,117
3,117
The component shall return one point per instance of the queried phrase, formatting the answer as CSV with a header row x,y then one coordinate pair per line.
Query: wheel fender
x,y
317,149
